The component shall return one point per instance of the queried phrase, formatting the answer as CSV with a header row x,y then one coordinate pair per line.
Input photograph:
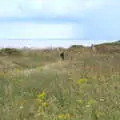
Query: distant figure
x,y
62,55
93,48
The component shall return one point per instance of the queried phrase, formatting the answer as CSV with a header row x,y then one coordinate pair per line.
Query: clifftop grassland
x,y
38,85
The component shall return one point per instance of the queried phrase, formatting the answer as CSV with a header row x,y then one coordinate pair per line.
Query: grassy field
x,y
38,85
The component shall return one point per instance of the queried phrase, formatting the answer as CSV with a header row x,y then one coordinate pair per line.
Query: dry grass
x,y
37,85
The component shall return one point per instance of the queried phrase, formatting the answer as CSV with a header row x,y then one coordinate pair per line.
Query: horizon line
x,y
51,39
42,39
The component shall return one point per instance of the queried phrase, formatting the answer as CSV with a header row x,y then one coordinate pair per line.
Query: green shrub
x,y
10,51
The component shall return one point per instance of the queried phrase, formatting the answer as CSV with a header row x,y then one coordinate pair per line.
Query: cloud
x,y
51,8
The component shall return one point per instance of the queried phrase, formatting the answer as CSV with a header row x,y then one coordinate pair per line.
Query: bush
x,y
10,51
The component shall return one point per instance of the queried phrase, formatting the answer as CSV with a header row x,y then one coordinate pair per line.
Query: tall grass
x,y
39,86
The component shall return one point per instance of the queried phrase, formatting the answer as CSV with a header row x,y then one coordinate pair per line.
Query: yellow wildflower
x,y
45,104
64,116
41,96
82,81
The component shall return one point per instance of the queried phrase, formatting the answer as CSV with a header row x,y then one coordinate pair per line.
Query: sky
x,y
39,23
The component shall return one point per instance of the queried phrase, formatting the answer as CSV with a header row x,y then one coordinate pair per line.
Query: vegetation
x,y
112,43
37,85
9,51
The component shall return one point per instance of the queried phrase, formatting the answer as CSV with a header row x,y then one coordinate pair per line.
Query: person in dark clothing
x,y
62,55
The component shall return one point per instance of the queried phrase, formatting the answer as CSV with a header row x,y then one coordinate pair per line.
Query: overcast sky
x,y
84,20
